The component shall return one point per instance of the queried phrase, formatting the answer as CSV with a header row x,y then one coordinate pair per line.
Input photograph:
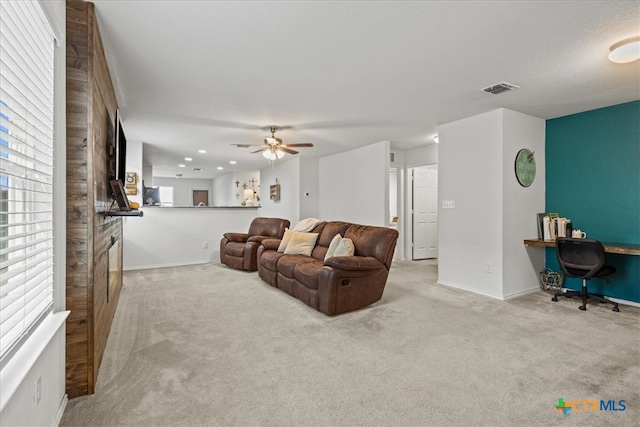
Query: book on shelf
x,y
551,226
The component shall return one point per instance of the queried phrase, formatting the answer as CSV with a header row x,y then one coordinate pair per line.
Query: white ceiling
x,y
193,75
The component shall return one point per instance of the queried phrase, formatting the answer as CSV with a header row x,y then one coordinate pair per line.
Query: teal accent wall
x,y
593,178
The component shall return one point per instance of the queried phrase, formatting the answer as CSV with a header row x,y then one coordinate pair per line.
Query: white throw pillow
x,y
285,240
332,246
301,243
345,248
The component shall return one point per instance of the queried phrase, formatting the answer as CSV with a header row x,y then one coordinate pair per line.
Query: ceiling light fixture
x,y
202,151
627,50
188,159
273,154
182,165
232,162
219,168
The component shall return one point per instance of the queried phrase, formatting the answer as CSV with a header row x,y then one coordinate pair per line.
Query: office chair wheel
x,y
555,298
615,308
583,308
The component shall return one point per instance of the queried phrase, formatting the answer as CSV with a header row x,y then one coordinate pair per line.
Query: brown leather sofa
x,y
339,284
239,250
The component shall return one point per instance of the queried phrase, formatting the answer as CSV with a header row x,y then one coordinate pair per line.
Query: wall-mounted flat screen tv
x,y
120,150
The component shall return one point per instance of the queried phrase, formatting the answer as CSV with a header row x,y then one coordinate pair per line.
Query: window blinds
x,y
26,169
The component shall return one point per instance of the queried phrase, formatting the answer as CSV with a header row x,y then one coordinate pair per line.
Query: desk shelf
x,y
121,213
612,248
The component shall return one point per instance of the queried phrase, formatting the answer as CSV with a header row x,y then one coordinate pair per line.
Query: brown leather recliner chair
x,y
239,250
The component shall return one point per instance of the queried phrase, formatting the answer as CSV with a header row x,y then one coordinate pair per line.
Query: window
x,y
26,169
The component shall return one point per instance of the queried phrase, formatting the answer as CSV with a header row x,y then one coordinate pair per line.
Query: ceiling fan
x,y
273,148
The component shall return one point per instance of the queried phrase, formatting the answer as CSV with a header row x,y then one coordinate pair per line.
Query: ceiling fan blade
x,y
304,144
260,150
287,150
247,145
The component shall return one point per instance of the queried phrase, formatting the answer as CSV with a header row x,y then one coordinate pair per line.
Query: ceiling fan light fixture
x,y
627,50
273,154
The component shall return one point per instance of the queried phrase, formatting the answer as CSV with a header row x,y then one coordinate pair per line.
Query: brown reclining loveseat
x,y
339,284
239,250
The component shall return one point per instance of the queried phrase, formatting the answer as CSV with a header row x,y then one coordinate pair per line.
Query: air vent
x,y
500,87
198,169
392,157
178,175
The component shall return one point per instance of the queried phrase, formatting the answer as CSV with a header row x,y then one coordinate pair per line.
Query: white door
x,y
425,212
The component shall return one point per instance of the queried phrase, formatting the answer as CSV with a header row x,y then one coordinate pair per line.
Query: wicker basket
x,y
551,281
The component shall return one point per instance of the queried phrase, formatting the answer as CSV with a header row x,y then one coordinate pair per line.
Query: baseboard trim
x,y
61,408
521,293
624,301
464,288
618,300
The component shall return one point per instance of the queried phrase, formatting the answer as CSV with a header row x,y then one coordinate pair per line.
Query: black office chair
x,y
583,258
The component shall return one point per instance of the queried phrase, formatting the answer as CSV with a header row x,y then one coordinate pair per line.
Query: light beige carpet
x,y
207,345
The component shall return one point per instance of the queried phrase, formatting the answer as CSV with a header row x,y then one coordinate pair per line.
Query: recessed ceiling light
x,y
233,162
188,159
202,151
181,165
219,168
627,50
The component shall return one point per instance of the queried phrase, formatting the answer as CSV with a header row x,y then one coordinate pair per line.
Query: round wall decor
x,y
525,167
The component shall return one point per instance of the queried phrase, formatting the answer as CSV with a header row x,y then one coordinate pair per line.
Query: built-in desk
x,y
612,248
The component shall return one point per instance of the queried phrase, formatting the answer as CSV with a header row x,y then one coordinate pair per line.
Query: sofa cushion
x,y
308,273
301,243
287,263
330,230
269,259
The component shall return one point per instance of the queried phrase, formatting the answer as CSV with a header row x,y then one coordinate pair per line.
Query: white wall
x,y
222,196
182,188
134,164
309,188
354,185
147,172
43,354
470,173
481,240
521,266
422,156
170,236
287,172
225,187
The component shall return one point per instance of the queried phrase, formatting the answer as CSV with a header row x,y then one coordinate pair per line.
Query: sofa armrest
x,y
271,244
354,263
236,237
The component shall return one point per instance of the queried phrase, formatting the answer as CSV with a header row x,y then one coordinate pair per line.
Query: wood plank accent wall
x,y
91,106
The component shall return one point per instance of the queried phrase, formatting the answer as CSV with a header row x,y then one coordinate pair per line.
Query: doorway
x,y
425,212
200,197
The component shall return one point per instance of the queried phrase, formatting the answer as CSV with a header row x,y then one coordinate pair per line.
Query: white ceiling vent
x,y
392,157
500,87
